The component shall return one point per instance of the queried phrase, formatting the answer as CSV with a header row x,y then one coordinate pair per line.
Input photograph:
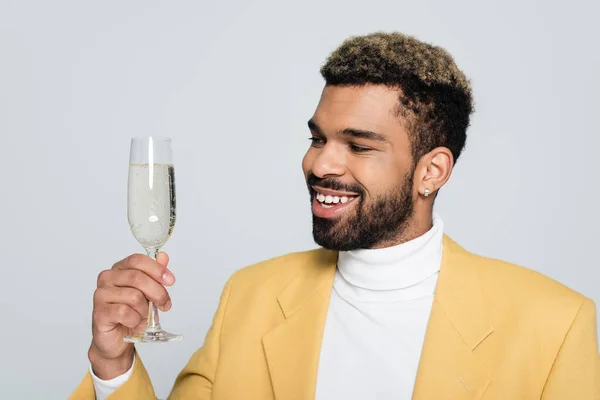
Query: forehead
x,y
369,107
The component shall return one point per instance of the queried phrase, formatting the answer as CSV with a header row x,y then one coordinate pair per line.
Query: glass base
x,y
153,336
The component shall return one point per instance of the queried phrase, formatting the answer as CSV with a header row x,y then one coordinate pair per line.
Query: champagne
x,y
151,205
151,213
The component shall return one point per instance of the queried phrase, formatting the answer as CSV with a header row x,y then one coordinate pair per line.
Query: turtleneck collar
x,y
403,267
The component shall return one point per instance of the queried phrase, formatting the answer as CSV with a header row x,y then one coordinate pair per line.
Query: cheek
x,y
377,175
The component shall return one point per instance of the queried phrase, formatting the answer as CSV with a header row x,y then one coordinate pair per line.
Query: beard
x,y
370,224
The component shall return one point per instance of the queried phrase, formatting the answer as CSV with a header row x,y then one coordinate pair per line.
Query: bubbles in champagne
x,y
151,203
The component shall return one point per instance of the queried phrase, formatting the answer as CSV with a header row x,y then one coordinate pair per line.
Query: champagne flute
x,y
151,212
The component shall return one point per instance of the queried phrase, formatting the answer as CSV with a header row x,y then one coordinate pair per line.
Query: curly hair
x,y
435,98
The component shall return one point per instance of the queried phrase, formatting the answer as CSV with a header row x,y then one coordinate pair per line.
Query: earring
x,y
426,193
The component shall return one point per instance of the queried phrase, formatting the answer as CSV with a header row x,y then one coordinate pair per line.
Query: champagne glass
x,y
151,212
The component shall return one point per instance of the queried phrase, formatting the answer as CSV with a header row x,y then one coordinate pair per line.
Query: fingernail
x,y
167,305
168,278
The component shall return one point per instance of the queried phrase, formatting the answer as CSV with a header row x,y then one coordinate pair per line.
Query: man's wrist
x,y
107,369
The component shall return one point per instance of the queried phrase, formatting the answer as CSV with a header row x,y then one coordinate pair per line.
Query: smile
x,y
329,203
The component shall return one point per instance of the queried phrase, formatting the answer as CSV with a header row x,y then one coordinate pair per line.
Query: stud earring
x,y
426,193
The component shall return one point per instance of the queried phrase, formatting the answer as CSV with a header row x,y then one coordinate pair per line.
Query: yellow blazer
x,y
496,331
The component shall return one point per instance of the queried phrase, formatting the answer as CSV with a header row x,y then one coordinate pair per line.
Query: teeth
x,y
330,200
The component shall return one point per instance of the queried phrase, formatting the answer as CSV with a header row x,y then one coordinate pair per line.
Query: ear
x,y
433,171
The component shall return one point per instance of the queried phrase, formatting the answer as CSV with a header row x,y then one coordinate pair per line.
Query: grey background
x,y
233,83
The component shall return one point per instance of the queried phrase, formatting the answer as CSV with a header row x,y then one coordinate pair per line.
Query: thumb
x,y
162,258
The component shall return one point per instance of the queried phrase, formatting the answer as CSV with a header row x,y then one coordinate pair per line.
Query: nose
x,y
328,162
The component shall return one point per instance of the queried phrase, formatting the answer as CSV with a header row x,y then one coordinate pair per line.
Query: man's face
x,y
359,169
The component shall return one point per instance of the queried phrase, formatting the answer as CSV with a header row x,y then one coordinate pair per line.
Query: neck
x,y
398,267
417,225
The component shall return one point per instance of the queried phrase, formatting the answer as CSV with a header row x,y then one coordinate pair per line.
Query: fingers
x,y
155,269
136,280
134,298
162,258
109,315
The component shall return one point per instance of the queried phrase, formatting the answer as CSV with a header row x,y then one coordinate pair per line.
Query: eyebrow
x,y
357,133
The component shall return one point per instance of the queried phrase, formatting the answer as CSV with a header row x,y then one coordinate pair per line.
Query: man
x,y
390,308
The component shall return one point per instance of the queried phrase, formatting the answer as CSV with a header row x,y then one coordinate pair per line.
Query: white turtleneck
x,y
377,318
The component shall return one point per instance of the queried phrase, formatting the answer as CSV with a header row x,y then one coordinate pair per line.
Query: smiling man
x,y
389,307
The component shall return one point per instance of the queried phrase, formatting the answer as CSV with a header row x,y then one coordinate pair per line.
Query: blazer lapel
x,y
458,323
292,348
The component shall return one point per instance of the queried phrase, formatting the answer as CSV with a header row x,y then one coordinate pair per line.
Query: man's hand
x,y
121,309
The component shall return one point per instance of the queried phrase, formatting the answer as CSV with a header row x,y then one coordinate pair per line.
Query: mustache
x,y
332,183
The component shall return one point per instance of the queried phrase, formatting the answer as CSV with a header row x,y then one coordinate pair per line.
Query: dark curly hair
x,y
435,96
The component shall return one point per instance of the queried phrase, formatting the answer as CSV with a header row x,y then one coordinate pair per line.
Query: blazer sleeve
x,y
576,370
138,386
195,381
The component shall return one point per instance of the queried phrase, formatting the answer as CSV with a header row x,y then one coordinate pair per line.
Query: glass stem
x,y
153,324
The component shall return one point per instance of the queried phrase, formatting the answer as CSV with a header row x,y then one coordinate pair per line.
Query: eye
x,y
359,149
316,142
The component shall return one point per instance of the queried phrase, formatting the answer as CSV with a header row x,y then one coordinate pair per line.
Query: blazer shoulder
x,y
511,280
527,290
278,270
